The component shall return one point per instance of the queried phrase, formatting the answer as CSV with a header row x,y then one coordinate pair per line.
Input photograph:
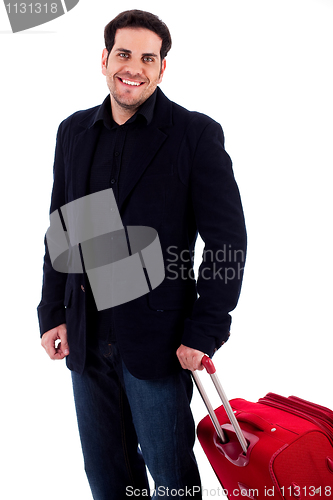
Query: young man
x,y
131,364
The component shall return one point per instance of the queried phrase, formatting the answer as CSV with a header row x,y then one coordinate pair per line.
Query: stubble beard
x,y
129,106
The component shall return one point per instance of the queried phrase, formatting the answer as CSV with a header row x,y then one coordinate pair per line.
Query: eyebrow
x,y
151,54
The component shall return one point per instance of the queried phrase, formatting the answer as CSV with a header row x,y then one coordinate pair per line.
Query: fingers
x,y
49,342
63,346
190,359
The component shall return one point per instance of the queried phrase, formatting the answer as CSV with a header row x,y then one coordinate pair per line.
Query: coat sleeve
x,y
51,309
220,222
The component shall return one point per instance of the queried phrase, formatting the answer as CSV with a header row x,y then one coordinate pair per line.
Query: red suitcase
x,y
280,448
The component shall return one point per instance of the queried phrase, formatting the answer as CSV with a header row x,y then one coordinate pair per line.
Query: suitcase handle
x,y
210,368
257,422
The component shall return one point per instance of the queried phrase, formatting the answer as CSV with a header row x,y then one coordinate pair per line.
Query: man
x,y
131,364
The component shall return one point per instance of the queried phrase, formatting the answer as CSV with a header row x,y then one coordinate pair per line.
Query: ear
x,y
105,56
162,70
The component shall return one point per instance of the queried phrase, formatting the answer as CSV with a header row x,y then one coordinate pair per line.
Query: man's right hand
x,y
49,342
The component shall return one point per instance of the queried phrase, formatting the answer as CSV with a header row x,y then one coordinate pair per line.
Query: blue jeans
x,y
116,412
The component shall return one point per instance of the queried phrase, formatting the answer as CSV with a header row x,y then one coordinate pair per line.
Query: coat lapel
x,y
148,141
83,153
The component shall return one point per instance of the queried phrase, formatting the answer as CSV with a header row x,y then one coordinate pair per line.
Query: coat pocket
x,y
170,298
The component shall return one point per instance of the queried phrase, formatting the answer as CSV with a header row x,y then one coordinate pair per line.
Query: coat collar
x,y
162,113
146,111
151,139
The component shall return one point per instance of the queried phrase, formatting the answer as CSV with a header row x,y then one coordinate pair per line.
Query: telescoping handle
x,y
210,368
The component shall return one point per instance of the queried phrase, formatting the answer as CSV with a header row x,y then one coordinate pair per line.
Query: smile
x,y
131,82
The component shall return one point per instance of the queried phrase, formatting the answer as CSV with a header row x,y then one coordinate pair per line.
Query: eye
x,y
123,55
148,59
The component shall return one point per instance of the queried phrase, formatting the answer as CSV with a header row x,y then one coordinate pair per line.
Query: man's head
x,y
138,19
134,58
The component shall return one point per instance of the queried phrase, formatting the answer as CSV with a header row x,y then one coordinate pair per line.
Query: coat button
x,y
82,288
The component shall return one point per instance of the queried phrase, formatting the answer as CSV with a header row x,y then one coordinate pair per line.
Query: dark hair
x,y
138,19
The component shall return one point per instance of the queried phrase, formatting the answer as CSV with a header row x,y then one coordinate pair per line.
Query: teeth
x,y
128,82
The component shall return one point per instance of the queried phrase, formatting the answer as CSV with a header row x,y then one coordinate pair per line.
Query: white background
x,y
263,69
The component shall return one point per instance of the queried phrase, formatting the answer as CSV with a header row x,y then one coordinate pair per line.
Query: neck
x,y
120,114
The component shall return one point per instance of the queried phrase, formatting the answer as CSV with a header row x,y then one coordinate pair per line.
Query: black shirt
x,y
112,156
115,145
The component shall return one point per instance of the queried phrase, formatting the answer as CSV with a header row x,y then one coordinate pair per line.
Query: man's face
x,y
133,69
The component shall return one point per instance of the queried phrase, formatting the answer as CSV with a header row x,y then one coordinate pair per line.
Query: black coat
x,y
180,182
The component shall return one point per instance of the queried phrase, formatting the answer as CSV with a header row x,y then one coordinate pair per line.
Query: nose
x,y
134,67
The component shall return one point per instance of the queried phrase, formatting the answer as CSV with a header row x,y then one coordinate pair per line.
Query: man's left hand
x,y
190,359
